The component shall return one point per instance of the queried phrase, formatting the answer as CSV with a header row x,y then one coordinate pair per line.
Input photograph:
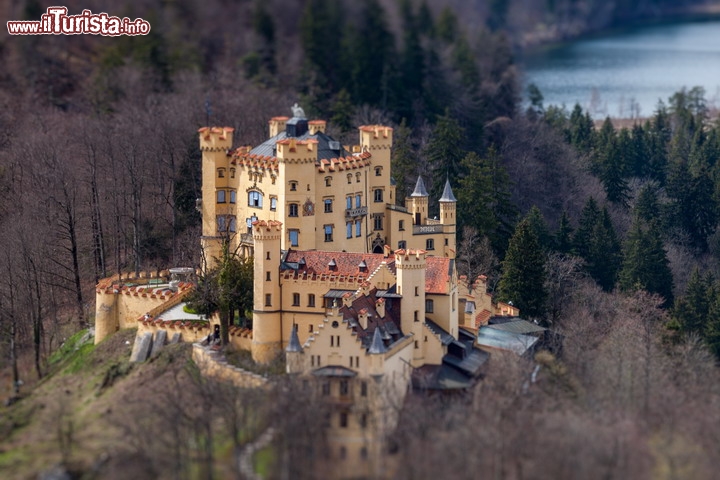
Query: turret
x,y
294,353
377,354
448,211
215,143
267,337
418,202
411,267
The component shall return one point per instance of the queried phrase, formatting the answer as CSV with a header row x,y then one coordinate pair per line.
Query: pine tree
x,y
588,218
581,132
523,277
444,152
563,236
595,241
645,265
711,332
539,227
404,162
692,309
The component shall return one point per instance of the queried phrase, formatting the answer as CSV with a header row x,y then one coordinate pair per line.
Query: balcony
x,y
246,239
427,229
356,212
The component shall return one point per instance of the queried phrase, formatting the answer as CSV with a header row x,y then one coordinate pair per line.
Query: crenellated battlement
x,y
216,139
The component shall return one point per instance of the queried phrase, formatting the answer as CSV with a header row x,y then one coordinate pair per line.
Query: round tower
x,y
267,308
448,211
418,202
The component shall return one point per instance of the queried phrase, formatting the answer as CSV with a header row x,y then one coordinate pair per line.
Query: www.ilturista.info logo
x,y
57,22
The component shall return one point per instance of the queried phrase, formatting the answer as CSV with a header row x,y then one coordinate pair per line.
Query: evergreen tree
x,y
523,278
342,111
612,172
589,216
645,264
581,131
404,162
563,236
646,205
595,241
537,222
319,26
444,152
711,332
692,309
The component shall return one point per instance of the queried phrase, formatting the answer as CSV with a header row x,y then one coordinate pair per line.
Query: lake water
x,y
625,74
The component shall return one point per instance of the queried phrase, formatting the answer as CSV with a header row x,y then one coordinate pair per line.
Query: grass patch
x,y
78,360
243,359
67,348
263,461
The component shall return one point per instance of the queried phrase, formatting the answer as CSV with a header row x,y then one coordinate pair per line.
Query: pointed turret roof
x,y
420,190
294,343
447,195
377,346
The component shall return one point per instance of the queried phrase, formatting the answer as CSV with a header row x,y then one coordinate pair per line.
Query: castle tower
x,y
411,267
294,354
448,210
418,202
267,336
217,183
377,140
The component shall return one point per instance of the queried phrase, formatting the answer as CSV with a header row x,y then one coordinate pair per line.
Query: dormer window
x,y
332,265
302,263
362,266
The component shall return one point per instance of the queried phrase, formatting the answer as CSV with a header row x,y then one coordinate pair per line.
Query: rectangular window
x,y
358,201
328,205
378,222
348,203
268,300
343,420
293,186
378,171
294,237
310,330
296,300
233,196
221,196
417,291
311,300
267,276
325,388
363,389
232,173
273,203
348,229
328,233
363,420
358,228
293,210
429,306
328,181
402,244
233,226
255,199
401,225
221,173
429,244
416,316
344,388
221,223
378,195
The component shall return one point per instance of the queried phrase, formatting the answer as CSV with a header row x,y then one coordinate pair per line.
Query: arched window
x,y
255,199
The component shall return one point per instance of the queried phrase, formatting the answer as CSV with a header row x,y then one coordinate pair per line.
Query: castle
x,y
328,197
360,294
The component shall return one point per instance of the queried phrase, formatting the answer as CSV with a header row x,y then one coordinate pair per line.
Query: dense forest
x,y
608,235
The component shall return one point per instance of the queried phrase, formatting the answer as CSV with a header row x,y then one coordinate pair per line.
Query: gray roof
x,y
447,195
377,346
294,344
518,326
326,147
445,337
420,190
493,338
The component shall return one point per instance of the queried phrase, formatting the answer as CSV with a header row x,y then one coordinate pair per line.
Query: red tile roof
x,y
437,273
